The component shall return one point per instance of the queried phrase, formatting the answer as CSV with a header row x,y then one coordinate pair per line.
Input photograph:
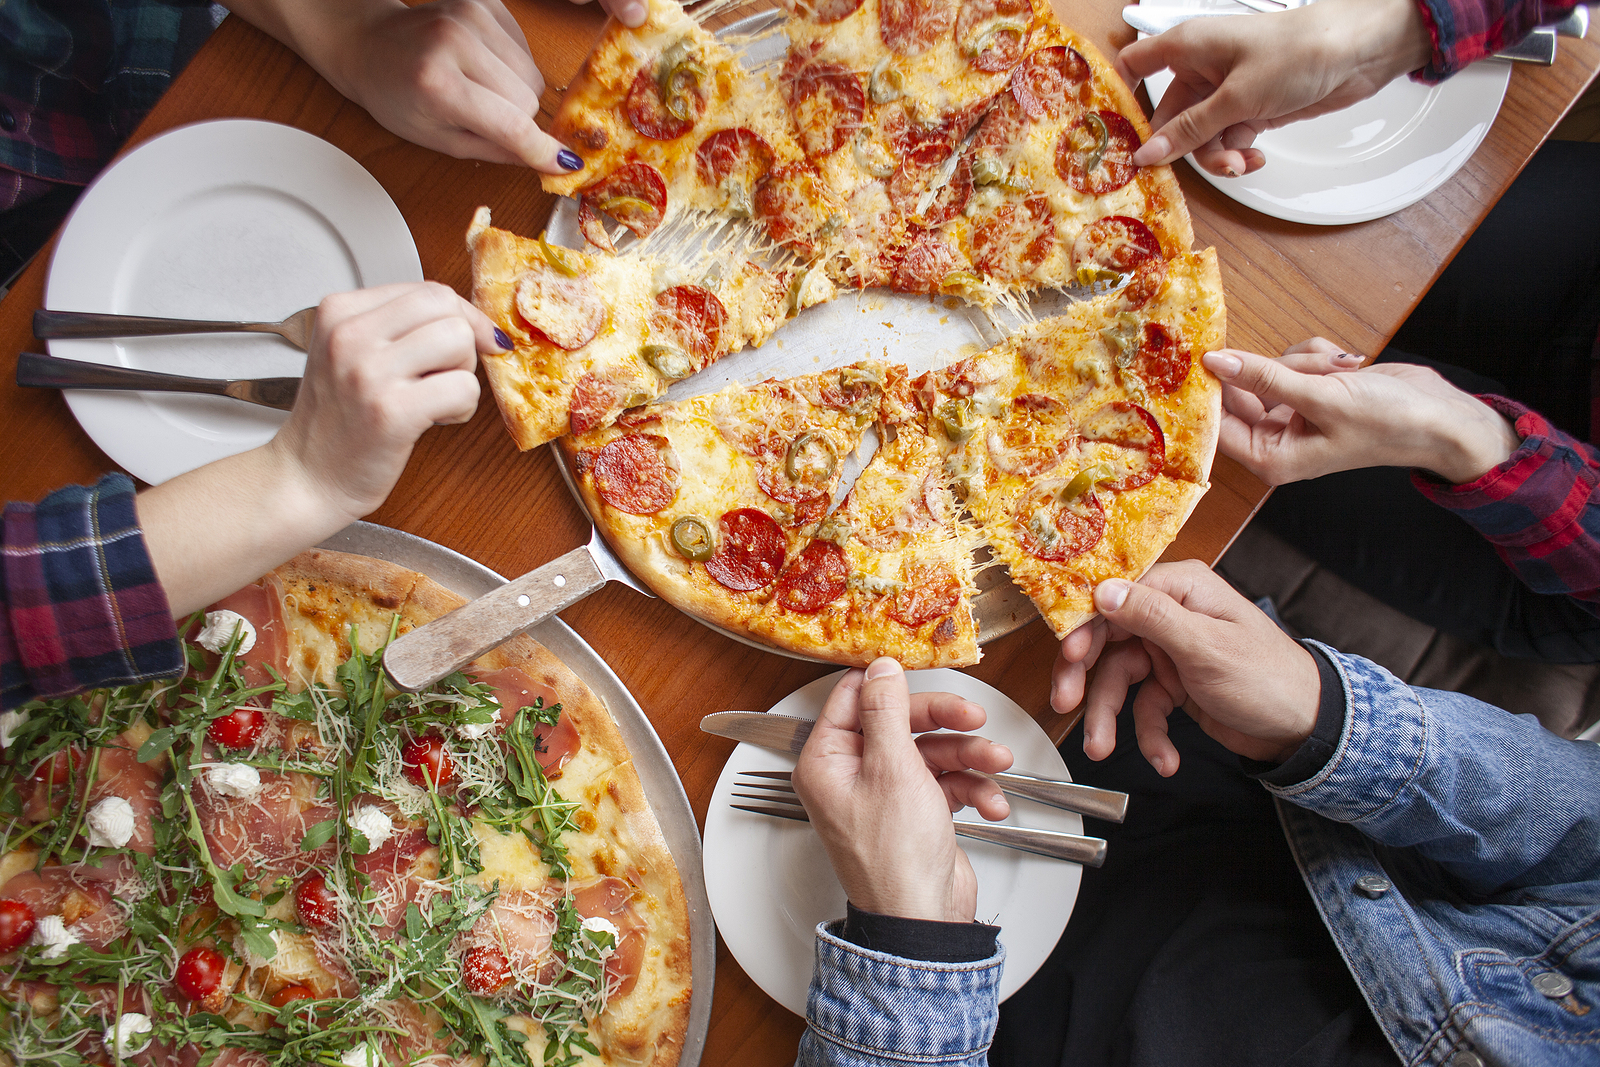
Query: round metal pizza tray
x,y
661,784
922,332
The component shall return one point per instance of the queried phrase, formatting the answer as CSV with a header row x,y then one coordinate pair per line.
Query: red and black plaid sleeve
x,y
1465,31
80,605
1540,508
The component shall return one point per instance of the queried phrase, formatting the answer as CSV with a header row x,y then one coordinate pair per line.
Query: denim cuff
x,y
868,1006
1378,755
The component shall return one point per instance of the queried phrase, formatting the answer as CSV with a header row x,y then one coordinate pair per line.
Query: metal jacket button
x,y
8,121
1466,1059
1552,984
1373,885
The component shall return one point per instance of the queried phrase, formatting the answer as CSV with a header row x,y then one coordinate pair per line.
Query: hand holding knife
x,y
788,733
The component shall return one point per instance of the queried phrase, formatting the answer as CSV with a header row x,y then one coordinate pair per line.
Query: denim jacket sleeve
x,y
1494,799
870,1008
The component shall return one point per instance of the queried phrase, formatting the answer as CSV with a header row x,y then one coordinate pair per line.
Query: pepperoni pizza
x,y
276,859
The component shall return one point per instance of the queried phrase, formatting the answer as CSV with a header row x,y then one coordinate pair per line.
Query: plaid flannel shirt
x,y
1540,508
1465,31
76,77
80,605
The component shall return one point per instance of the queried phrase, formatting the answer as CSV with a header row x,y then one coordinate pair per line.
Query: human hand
x,y
1197,644
1313,412
384,365
455,76
881,801
1235,77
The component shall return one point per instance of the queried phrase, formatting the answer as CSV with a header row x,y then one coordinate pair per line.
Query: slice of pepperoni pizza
x,y
1082,444
594,335
721,504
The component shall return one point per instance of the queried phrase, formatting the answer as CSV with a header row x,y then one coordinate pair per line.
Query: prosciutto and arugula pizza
x,y
275,860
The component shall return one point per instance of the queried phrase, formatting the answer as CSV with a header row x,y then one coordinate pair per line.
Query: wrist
x,y
1472,445
332,38
1388,37
310,503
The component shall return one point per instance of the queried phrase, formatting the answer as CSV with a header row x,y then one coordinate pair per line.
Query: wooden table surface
x,y
469,489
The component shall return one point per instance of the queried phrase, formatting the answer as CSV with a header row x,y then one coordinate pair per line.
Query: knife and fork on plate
x,y
773,794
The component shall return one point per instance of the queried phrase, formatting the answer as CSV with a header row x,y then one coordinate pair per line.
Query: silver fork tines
x,y
777,799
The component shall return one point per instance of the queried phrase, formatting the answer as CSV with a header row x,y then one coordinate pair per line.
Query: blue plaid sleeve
x,y
80,605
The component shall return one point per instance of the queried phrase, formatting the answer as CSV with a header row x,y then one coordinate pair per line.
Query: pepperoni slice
x,y
1115,242
1144,284
930,593
1052,531
911,181
1047,81
1009,245
1138,449
1093,167
651,116
1163,364
815,579
993,33
600,394
634,194
568,311
737,153
637,473
791,203
813,459
1035,434
910,27
1003,133
693,318
826,102
825,10
924,265
750,552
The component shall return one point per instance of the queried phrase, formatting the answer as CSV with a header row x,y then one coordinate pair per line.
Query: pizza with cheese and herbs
x,y
276,860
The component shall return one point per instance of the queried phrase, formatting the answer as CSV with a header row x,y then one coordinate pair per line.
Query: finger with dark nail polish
x,y
569,159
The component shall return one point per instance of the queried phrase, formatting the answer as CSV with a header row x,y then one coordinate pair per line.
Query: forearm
x,y
220,527
1494,798
317,31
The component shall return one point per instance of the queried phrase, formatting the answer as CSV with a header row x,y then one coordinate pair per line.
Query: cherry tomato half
x,y
16,925
485,970
429,753
56,769
314,903
289,994
238,729
199,973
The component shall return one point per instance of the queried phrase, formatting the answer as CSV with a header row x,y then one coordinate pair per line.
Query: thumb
x,y
1271,380
1193,127
1151,613
885,703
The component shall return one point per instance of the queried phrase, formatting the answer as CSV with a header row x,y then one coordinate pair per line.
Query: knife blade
x,y
38,371
417,659
788,733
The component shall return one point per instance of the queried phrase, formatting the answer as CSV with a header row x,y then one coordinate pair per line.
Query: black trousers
x,y
1516,313
1197,944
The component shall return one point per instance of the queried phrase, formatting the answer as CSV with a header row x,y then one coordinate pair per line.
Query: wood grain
x,y
468,488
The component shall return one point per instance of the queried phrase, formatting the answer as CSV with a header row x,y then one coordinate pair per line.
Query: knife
x,y
417,659
39,371
788,733
1538,47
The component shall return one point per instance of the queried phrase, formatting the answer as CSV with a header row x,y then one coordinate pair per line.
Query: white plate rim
x,y
135,429
1470,100
745,887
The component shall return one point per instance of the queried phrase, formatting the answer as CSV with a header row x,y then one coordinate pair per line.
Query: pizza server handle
x,y
417,659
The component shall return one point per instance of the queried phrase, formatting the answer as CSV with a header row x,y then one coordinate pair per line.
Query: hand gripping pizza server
x,y
416,660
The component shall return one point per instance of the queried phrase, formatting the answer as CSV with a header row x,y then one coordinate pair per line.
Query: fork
x,y
779,801
296,328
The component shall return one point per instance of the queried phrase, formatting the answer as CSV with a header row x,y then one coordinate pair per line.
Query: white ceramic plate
x,y
234,219
1371,159
770,883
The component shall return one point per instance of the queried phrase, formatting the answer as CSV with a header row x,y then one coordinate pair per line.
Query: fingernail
x,y
1222,364
1349,358
636,14
502,339
1111,594
569,159
882,667
1229,172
